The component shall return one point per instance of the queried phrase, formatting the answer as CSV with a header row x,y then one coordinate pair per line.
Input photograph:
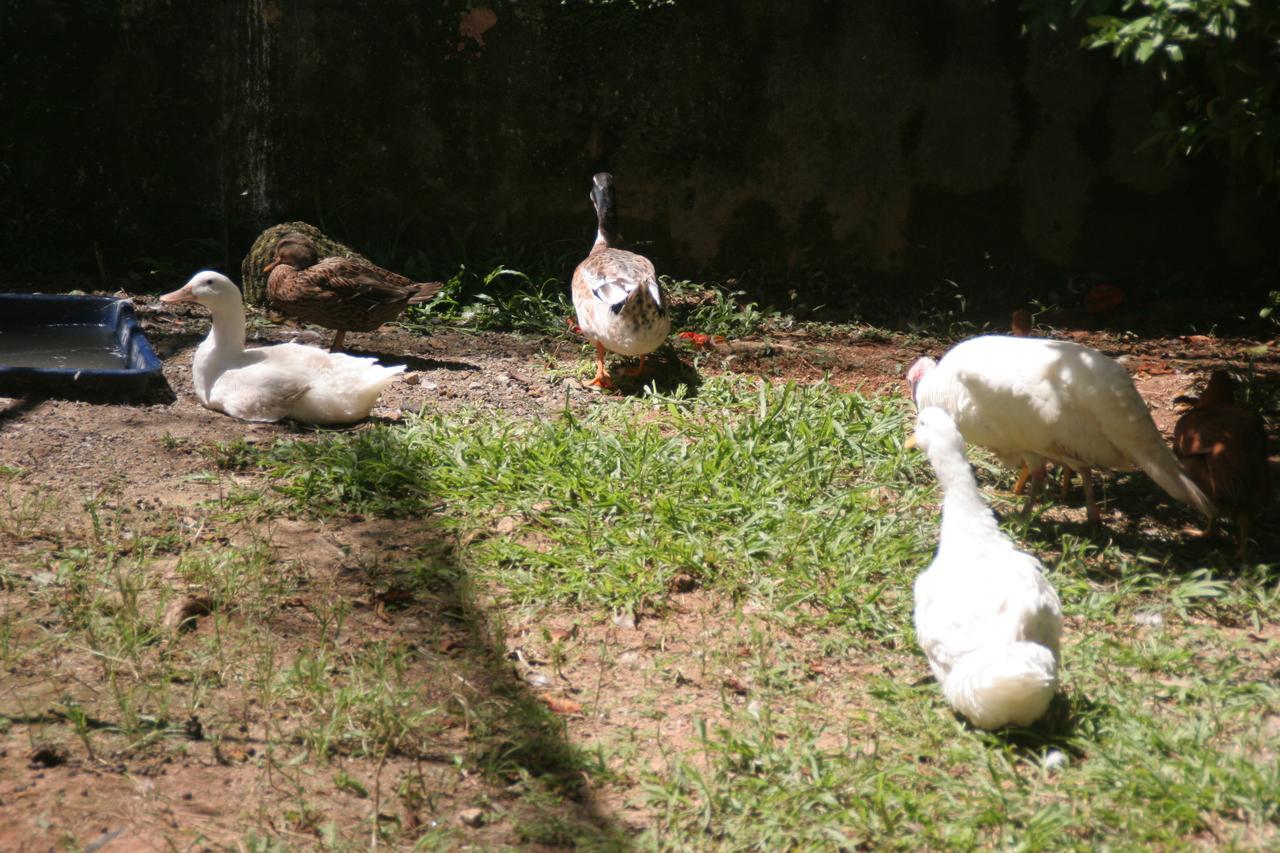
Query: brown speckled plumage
x,y
619,302
253,281
343,294
1223,447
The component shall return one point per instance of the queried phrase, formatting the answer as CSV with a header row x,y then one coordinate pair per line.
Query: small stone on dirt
x,y
473,818
105,838
563,704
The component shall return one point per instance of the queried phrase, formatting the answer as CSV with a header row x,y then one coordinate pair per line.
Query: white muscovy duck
x,y
987,619
619,302
1029,400
282,381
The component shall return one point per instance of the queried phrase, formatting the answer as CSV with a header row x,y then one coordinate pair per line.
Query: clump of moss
x,y
253,281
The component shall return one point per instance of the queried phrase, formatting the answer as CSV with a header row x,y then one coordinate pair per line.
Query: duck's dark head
x,y
294,250
1221,390
602,196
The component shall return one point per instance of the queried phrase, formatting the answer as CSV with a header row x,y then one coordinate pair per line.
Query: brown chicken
x,y
1223,447
343,294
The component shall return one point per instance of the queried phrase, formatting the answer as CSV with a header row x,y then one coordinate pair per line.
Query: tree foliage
x,y
1219,61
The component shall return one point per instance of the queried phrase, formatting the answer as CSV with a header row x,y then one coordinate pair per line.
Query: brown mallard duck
x,y
344,294
620,304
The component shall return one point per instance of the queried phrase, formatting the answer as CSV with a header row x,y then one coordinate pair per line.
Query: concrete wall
x,y
911,139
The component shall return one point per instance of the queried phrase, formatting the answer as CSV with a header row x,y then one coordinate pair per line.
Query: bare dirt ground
x,y
148,461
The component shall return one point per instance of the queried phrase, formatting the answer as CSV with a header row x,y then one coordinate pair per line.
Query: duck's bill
x,y
911,443
182,294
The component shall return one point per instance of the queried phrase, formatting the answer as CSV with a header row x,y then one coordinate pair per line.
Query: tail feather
x,y
1180,486
425,290
1142,442
374,382
997,685
361,401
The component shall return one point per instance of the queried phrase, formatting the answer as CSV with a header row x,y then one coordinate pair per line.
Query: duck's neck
x,y
964,512
228,328
936,389
607,236
606,239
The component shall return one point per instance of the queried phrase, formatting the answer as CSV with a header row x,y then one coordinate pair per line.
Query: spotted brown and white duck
x,y
344,294
620,304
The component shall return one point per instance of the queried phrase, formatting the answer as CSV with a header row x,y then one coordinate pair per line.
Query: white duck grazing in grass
x,y
282,381
987,619
1029,400
620,305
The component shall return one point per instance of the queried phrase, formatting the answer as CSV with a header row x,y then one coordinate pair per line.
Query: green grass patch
x,y
782,494
801,505
784,706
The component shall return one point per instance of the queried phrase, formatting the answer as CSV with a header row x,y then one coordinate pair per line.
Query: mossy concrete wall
x,y
917,138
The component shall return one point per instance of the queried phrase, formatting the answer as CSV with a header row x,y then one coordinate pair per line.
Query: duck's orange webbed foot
x,y
601,379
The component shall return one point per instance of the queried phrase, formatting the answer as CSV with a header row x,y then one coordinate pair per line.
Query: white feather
x,y
270,383
988,621
1032,399
609,291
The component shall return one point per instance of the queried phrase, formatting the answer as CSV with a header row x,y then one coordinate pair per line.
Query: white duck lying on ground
x,y
987,619
282,381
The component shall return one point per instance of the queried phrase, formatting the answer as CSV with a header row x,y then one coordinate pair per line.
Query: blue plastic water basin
x,y
81,347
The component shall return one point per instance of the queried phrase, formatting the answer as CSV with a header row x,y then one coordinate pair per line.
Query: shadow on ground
x,y
405,574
